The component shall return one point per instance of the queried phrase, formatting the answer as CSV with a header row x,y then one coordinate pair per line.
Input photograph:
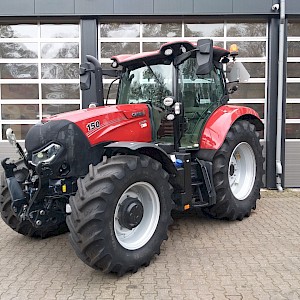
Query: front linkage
x,y
35,197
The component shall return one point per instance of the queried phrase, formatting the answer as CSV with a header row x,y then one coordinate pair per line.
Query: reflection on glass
x,y
119,30
60,50
255,69
110,49
60,71
293,110
20,130
218,44
162,30
249,91
293,70
59,30
151,46
203,30
60,91
294,49
293,90
293,29
54,109
18,50
18,71
250,49
19,112
292,131
246,29
149,83
19,31
19,91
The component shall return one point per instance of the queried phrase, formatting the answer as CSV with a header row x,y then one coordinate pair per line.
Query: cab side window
x,y
199,90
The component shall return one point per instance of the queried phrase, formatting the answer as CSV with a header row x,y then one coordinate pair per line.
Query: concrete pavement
x,y
258,258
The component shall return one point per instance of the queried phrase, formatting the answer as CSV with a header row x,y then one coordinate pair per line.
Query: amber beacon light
x,y
234,50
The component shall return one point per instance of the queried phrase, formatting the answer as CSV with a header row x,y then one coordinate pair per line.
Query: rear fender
x,y
148,149
218,124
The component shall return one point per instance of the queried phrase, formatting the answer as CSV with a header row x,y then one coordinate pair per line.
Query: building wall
x,y
140,7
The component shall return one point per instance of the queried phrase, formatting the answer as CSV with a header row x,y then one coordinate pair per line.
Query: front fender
x,y
149,149
218,124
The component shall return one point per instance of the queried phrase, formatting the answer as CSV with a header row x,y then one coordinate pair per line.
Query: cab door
x,y
200,96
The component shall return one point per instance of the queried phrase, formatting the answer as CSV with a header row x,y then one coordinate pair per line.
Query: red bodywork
x,y
127,122
219,123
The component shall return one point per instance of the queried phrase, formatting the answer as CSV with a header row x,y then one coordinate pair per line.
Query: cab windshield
x,y
148,84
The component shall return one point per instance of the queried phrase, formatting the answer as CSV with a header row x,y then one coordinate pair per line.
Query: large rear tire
x,y
237,173
23,227
121,213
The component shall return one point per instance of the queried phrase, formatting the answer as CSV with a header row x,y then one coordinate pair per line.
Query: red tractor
x,y
111,175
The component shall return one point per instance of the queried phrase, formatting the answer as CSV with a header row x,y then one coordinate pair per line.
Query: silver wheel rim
x,y
137,237
242,171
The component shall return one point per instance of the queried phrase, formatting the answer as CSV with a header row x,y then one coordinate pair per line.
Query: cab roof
x,y
152,57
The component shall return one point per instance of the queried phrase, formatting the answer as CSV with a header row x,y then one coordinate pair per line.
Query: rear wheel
x,y
237,173
24,227
121,213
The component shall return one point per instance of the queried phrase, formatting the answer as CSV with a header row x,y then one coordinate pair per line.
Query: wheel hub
x,y
231,170
242,171
131,213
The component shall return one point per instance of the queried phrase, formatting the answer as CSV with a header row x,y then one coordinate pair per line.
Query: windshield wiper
x,y
153,73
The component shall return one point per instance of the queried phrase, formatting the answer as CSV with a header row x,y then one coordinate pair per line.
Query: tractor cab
x,y
175,92
182,83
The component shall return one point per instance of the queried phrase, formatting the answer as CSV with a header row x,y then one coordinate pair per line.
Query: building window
x,y
38,73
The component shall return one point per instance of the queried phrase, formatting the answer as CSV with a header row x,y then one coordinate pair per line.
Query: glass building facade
x,y
39,73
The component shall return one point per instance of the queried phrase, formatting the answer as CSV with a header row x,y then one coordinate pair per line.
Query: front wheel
x,y
121,213
237,173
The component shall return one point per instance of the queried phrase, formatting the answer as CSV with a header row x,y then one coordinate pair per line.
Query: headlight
x,y
46,155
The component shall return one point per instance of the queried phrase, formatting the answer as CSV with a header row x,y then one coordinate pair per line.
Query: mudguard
x,y
148,149
220,121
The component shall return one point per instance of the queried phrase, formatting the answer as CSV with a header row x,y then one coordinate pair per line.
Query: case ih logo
x,y
138,114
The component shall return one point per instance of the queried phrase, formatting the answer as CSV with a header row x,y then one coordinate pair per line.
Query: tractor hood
x,y
96,125
127,122
77,138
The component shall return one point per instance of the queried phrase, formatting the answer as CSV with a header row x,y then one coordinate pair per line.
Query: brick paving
x,y
258,258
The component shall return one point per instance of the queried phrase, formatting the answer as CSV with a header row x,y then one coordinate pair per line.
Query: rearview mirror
x,y
238,73
204,56
85,76
11,136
